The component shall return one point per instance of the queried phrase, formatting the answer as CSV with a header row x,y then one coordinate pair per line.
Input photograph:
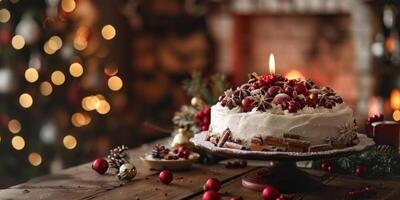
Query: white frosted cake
x,y
272,113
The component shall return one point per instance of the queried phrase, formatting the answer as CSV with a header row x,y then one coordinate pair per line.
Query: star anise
x,y
231,99
262,102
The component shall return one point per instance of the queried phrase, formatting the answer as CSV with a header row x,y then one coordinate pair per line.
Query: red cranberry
x,y
247,103
199,115
300,89
206,120
212,184
288,90
165,177
206,111
273,90
269,79
270,193
204,127
293,106
184,154
211,195
100,165
281,98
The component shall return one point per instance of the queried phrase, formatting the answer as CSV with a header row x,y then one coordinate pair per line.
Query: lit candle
x,y
271,64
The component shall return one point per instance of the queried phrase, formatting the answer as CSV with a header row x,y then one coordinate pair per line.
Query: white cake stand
x,y
284,174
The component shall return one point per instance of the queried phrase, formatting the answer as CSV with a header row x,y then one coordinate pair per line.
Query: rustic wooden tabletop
x,y
81,182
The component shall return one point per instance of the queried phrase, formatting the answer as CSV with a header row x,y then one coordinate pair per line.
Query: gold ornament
x,y
197,102
126,172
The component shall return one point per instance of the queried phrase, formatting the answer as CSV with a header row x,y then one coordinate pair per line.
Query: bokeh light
x,y
80,119
396,115
115,83
35,159
103,107
110,70
25,100
45,88
57,77
108,32
68,5
18,42
31,75
4,15
69,142
18,142
76,69
90,103
14,126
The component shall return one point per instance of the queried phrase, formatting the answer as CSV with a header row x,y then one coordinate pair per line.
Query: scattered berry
x,y
100,165
211,195
165,177
212,184
270,193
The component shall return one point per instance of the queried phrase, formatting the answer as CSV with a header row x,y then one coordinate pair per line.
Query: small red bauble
x,y
273,90
212,184
165,177
247,103
100,165
360,170
270,193
211,195
281,98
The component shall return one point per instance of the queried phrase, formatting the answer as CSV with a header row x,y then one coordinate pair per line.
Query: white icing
x,y
314,125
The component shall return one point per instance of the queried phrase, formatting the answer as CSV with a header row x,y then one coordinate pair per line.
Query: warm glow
x,y
14,126
115,83
55,43
46,89
31,75
108,32
294,74
90,103
18,42
395,99
375,106
57,77
103,107
80,43
68,5
76,69
271,64
80,119
47,49
18,142
4,15
396,115
35,159
69,142
25,100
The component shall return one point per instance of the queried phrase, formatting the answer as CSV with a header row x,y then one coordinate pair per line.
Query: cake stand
x,y
284,174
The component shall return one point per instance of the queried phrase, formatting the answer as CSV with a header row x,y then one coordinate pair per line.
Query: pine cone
x,y
118,157
159,151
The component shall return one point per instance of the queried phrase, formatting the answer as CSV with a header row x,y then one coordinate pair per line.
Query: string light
x,y
76,69
14,126
115,83
4,15
55,43
108,32
57,77
47,49
68,5
69,142
18,42
31,75
35,159
90,103
45,88
396,115
80,119
18,142
103,107
25,100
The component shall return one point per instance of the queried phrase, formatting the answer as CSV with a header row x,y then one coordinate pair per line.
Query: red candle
x,y
386,133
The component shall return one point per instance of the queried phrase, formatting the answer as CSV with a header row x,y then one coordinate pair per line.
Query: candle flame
x,y
395,99
271,64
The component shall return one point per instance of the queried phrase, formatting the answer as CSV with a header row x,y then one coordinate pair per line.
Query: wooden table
x,y
81,182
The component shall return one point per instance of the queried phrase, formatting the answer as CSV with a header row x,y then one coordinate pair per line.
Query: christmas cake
x,y
272,113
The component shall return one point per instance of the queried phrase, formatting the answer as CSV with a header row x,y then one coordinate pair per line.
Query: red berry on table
x,y
360,170
165,177
247,103
281,98
273,90
300,89
211,195
270,193
100,165
212,184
